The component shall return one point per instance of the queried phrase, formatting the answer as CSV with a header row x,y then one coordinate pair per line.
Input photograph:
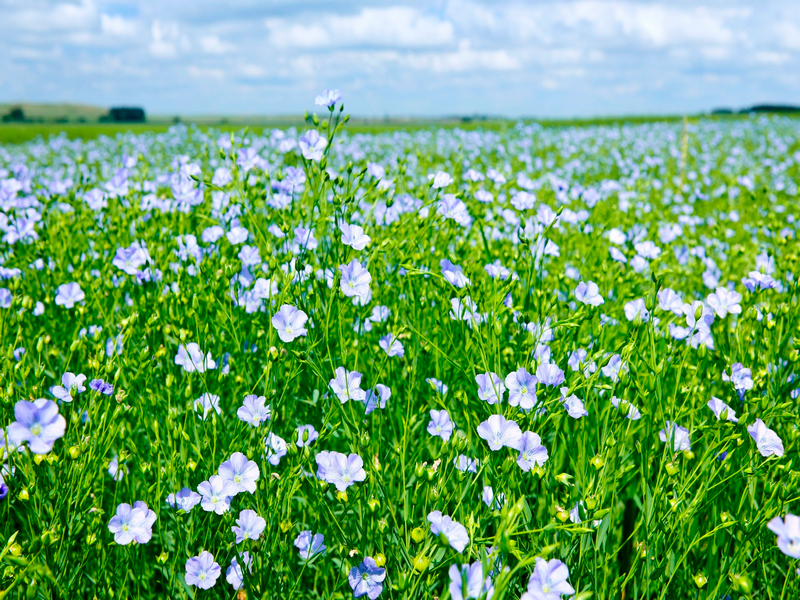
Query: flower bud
x,y
418,534
374,504
700,580
380,559
563,478
421,563
341,496
742,582
597,462
74,452
23,495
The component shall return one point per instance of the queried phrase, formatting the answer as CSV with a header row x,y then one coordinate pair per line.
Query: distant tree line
x,y
758,108
124,114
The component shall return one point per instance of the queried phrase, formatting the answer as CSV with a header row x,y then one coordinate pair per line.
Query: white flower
x,y
767,441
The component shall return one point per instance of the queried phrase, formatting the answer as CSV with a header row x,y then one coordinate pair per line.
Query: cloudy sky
x,y
407,57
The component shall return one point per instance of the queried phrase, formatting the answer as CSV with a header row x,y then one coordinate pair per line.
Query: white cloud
x,y
206,73
465,58
404,56
767,57
788,35
43,18
167,40
211,44
251,71
396,26
117,26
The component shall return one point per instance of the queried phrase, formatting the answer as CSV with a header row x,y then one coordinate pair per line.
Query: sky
x,y
572,58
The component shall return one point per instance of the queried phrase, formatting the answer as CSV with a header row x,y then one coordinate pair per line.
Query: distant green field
x,y
17,133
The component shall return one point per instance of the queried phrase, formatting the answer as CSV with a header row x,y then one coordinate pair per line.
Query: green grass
x,y
18,133
630,515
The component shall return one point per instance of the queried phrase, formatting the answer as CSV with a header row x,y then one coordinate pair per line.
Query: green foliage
x,y
653,523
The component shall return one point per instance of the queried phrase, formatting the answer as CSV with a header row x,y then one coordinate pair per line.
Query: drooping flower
x,y
467,581
184,500
788,532
116,470
346,385
636,308
490,387
437,385
289,322
98,385
202,571
440,424
312,145
499,432
440,180
239,474
767,441
549,374
626,408
234,574
724,302
205,404
488,497
70,383
454,274
453,531
679,436
717,406
328,98
274,448
192,359
574,407
465,464
354,236
38,423
588,293
306,435
741,378
614,367
391,345
548,581
376,398
310,544
367,579
531,451
248,526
